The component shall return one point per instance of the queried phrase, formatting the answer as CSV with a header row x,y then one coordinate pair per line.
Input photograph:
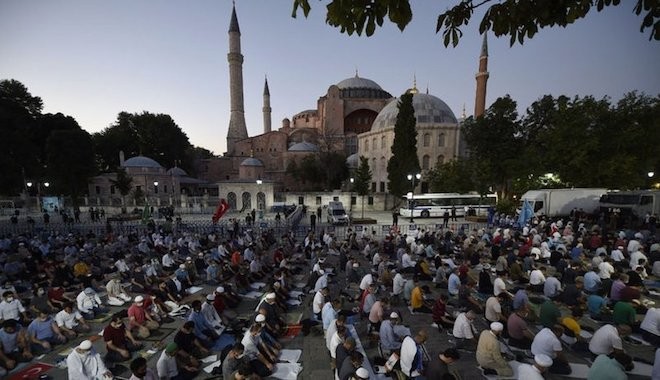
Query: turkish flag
x,y
223,206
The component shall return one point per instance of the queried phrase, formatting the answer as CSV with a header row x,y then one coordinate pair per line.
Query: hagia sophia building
x,y
355,117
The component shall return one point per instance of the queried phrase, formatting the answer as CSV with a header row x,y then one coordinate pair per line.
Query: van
x,y
337,213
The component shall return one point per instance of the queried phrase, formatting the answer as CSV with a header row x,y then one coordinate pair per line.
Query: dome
x,y
353,161
357,82
304,147
141,162
177,172
252,162
429,110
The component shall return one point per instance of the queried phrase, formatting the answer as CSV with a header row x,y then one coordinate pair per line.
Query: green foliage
x,y
363,175
153,135
506,206
517,19
138,195
13,91
496,141
320,172
404,158
123,183
454,176
70,160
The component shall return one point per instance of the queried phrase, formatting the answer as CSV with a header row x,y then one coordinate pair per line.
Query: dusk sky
x,y
92,59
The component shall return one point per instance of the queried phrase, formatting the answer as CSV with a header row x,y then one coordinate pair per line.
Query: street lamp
x,y
650,174
350,199
412,177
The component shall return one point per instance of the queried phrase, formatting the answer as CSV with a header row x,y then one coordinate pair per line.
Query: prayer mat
x,y
159,334
31,372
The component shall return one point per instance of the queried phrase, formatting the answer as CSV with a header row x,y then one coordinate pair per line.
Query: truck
x,y
634,204
336,213
560,202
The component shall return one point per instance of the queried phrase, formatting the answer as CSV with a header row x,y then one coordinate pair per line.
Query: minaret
x,y
237,128
482,78
266,109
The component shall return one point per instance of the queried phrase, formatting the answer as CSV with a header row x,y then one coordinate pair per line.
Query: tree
x,y
70,161
123,183
363,177
404,158
15,92
518,19
495,140
454,176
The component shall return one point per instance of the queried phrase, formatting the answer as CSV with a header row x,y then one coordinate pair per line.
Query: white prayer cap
x,y
85,345
139,299
496,326
394,315
543,360
362,373
270,296
220,289
260,318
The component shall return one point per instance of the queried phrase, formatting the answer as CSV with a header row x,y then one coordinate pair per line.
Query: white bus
x,y
435,205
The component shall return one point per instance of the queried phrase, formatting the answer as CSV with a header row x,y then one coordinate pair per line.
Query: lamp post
x,y
412,177
350,199
29,184
156,193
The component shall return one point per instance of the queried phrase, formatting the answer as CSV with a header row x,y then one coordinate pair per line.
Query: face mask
x,y
10,299
40,292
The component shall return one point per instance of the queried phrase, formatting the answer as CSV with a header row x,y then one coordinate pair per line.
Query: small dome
x,y
141,162
177,172
303,147
252,162
357,82
429,110
353,161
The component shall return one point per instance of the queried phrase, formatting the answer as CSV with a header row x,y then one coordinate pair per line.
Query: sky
x,y
92,59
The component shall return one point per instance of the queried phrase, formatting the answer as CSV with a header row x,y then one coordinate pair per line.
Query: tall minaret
x,y
482,78
237,128
266,109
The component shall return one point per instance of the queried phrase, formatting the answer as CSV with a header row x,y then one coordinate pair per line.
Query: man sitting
x,y
14,345
519,334
190,348
464,331
139,319
119,342
89,304
489,355
389,340
44,333
547,342
70,321
116,294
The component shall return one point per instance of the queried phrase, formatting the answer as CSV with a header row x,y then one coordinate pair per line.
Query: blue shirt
x,y
454,284
200,324
328,314
9,341
595,303
520,299
591,281
41,329
388,340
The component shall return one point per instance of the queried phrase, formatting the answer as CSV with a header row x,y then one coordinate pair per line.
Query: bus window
x,y
538,205
646,200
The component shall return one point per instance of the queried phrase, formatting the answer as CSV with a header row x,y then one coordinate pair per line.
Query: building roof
x,y
357,82
233,24
304,147
353,161
177,172
429,110
141,162
251,161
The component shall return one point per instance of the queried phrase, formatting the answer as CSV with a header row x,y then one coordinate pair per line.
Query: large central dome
x,y
429,110
357,82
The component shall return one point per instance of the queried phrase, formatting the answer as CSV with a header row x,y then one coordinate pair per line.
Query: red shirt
x,y
138,313
116,336
56,294
219,304
236,259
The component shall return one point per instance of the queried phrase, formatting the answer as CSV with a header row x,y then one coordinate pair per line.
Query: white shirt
x,y
529,372
210,314
635,257
499,286
318,302
463,327
651,322
11,310
408,352
87,302
166,366
85,367
617,255
334,342
536,277
321,283
605,339
493,308
332,329
605,270
67,320
407,261
551,287
397,284
167,261
366,281
251,344
546,342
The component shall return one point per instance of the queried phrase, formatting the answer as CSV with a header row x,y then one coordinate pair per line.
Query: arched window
x,y
441,139
247,202
427,139
382,142
231,200
441,160
261,201
425,162
383,165
373,143
366,145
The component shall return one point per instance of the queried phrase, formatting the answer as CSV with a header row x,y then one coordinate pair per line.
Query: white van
x,y
337,213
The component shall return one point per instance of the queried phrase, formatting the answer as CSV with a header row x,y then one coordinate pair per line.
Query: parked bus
x,y
435,205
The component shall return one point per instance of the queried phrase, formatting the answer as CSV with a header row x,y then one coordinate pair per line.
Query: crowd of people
x,y
551,274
